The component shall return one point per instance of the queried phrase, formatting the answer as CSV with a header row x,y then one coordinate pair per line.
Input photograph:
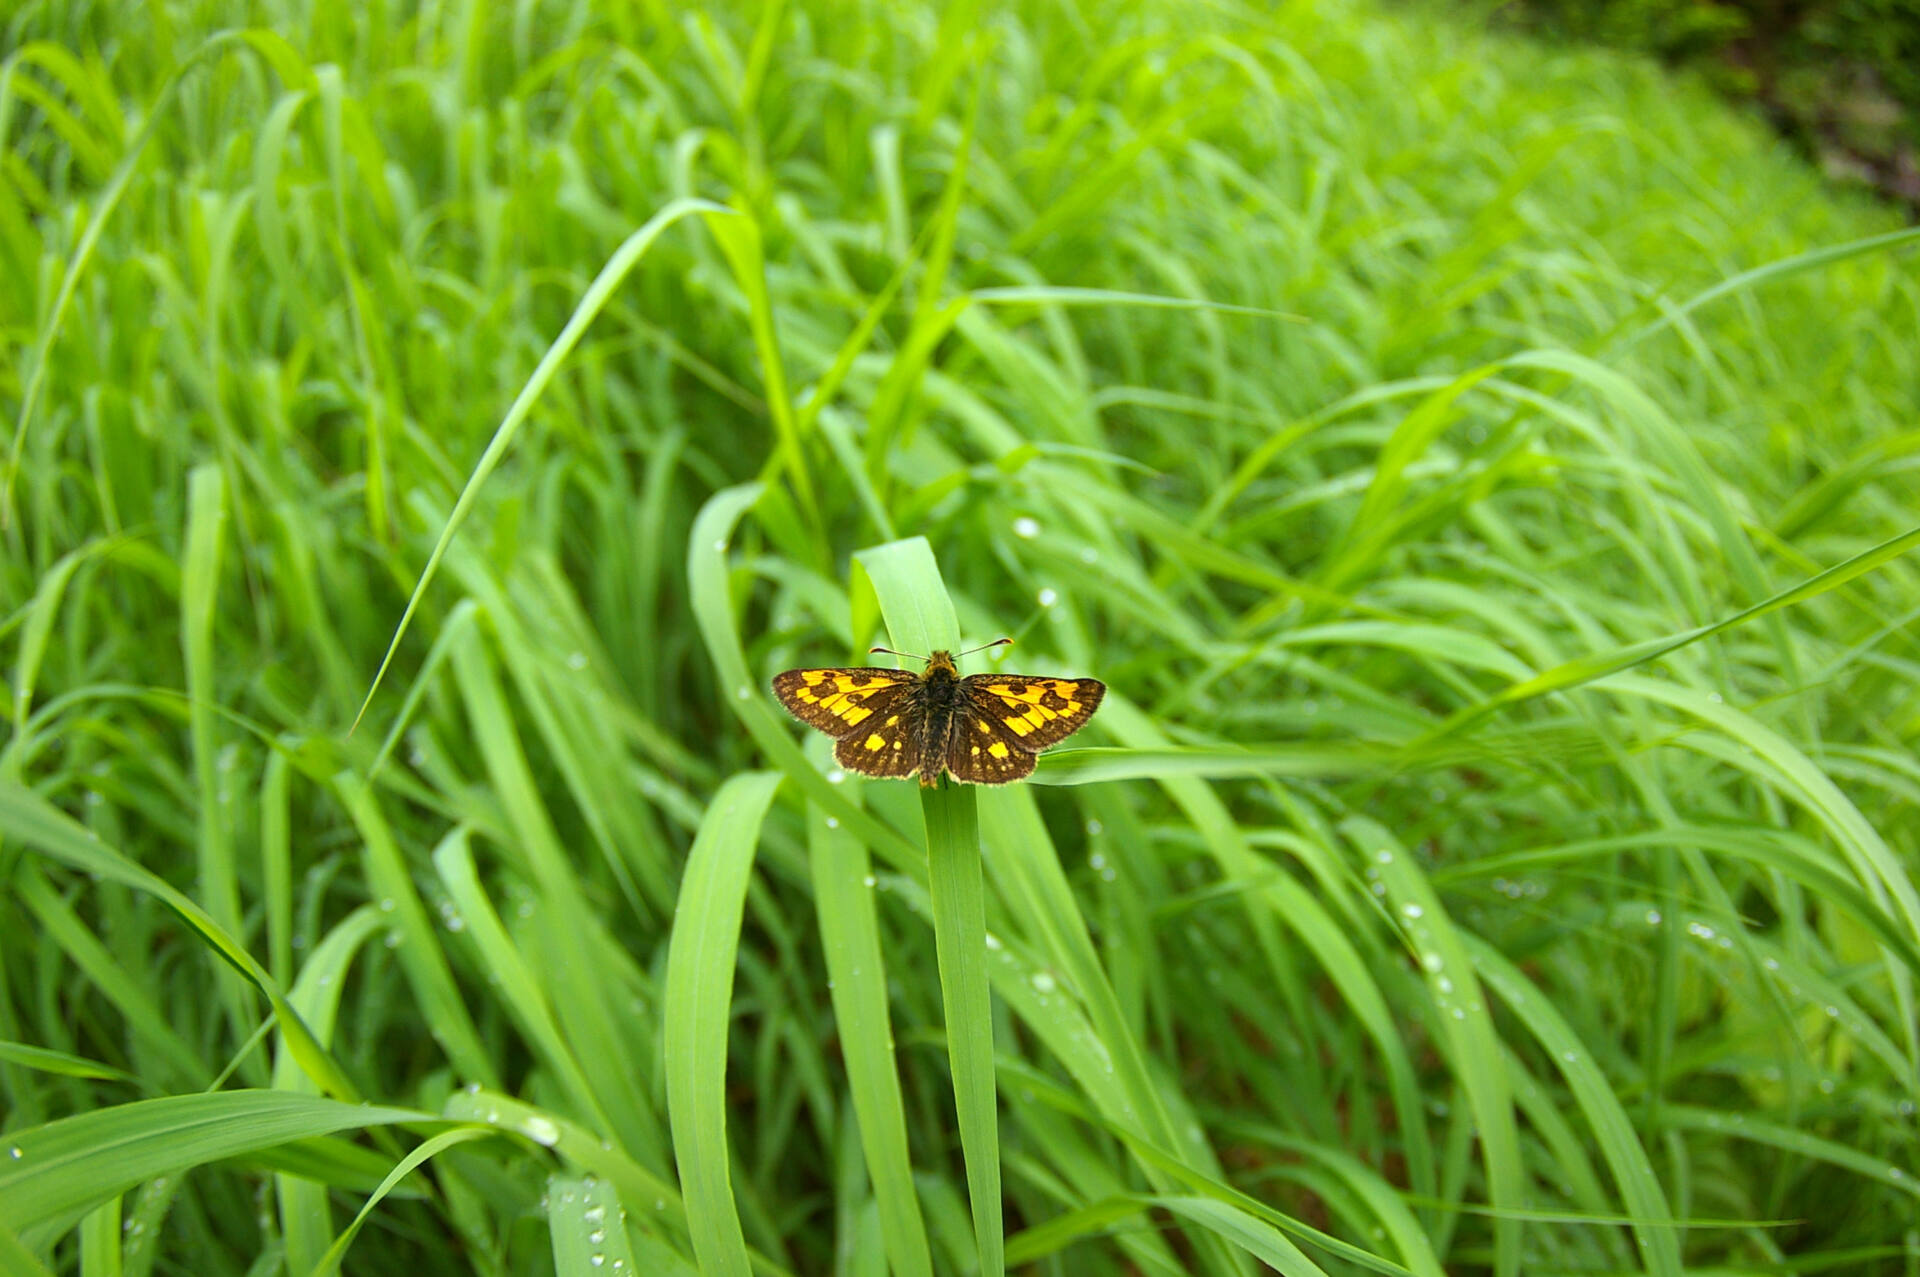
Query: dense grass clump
x,y
1483,477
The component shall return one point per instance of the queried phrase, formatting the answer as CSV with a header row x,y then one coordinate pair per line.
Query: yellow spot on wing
x,y
875,741
998,749
1020,726
855,715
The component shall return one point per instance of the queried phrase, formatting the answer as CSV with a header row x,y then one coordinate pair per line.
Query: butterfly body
x,y
983,729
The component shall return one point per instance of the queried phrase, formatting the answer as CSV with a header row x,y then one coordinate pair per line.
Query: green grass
x,y
1484,476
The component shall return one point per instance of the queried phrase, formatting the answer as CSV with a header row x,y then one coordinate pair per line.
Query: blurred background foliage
x,y
1839,78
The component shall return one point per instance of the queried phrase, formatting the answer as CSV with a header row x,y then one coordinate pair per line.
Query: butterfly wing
x,y
871,711
1034,712
840,702
889,746
982,750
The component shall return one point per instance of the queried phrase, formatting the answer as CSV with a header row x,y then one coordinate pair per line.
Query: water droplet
x,y
833,822
1384,855
1096,861
720,546
1411,910
16,1152
1432,961
993,942
1029,528
1095,829
1042,982
1443,984
388,904
1653,917
577,660
1716,698
1049,596
744,693
542,1131
835,776
870,880
1087,555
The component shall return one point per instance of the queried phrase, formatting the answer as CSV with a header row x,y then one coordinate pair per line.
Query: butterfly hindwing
x,y
888,747
982,750
841,702
1035,712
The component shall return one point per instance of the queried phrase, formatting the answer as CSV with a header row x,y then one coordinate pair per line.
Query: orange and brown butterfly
x,y
983,729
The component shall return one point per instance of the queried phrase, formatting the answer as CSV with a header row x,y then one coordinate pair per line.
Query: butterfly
x,y
983,729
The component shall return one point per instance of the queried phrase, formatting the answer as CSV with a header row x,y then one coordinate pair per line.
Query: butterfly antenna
x,y
999,642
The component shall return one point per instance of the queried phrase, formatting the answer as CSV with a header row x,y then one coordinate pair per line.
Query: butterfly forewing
x,y
841,702
1036,712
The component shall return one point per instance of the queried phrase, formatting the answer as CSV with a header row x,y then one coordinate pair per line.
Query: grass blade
x,y
698,1008
857,976
66,1167
920,618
